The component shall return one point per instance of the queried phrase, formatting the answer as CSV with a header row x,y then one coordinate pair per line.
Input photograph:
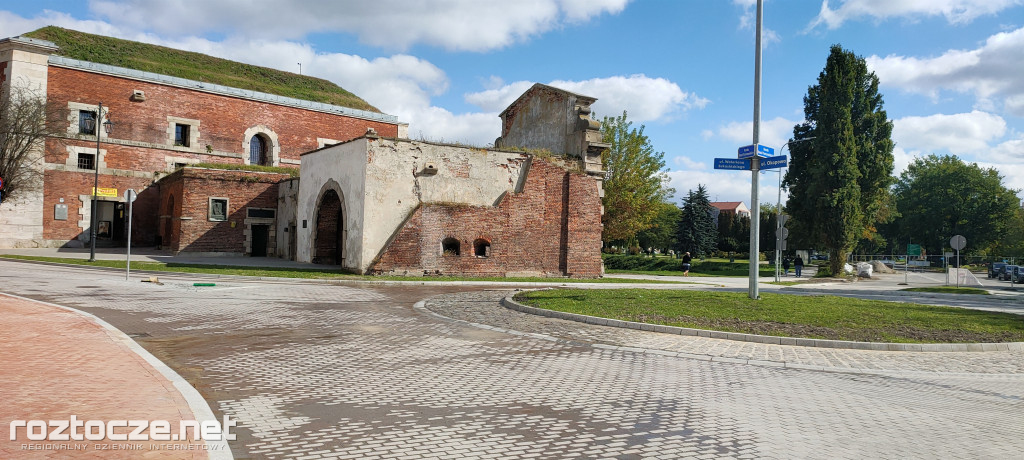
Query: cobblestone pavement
x,y
313,370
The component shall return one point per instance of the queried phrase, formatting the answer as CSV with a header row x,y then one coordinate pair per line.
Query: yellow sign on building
x,y
107,192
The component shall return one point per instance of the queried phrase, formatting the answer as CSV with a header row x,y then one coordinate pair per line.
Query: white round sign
x,y
130,195
958,242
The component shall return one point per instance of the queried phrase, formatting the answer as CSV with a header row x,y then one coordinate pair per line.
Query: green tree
x,y
697,233
662,233
635,180
941,196
839,178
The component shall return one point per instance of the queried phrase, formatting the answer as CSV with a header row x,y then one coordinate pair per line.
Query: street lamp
x,y
778,212
97,129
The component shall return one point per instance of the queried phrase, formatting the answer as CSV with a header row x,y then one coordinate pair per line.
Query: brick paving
x,y
319,370
57,363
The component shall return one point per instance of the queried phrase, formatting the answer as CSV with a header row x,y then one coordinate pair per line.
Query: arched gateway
x,y
328,241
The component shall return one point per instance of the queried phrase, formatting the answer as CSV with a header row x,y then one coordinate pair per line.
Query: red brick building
x,y
368,199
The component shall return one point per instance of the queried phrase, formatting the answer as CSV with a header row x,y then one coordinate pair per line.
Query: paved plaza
x,y
336,370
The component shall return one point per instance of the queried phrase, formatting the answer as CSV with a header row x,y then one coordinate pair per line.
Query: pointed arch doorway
x,y
328,241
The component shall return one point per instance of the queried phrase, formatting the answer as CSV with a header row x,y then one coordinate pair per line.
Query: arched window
x,y
450,247
482,248
257,150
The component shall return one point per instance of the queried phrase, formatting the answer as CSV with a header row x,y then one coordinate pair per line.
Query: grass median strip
x,y
817,317
309,273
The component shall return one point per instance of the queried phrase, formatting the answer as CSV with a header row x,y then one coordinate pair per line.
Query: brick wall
x,y
552,228
191,188
138,148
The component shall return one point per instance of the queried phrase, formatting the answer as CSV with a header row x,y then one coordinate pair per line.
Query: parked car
x,y
1007,271
1017,274
995,268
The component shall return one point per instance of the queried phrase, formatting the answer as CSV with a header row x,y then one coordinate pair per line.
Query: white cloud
x,y
748,20
958,133
724,185
643,97
991,72
464,25
774,133
954,11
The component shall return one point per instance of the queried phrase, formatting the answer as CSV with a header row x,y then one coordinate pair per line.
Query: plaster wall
x,y
287,210
398,180
340,167
21,219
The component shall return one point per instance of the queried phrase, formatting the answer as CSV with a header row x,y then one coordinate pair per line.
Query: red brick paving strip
x,y
55,363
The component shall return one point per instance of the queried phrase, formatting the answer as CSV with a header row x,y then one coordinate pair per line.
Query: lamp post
x,y
778,212
97,127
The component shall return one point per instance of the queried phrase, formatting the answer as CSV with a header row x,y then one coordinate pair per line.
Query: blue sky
x,y
950,70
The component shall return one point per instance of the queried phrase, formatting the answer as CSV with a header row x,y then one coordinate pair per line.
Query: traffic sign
x,y
750,151
958,242
773,162
913,249
782,233
783,218
732,163
130,195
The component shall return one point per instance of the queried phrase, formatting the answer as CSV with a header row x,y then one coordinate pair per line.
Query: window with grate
x,y
257,150
86,161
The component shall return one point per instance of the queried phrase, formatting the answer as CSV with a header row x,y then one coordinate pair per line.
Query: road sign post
x,y
958,242
129,196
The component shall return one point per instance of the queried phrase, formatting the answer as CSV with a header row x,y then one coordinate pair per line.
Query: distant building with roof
x,y
729,209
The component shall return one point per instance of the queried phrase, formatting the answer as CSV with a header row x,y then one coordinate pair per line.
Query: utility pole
x,y
755,205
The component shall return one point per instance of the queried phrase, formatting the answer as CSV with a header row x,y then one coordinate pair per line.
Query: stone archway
x,y
329,239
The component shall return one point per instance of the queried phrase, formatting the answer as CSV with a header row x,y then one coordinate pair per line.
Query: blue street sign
x,y
773,162
750,151
732,163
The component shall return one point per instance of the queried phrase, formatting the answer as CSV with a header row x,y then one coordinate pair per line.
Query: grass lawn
x,y
819,317
949,290
304,273
763,272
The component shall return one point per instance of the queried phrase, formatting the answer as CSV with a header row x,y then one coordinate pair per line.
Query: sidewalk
x,y
60,363
148,254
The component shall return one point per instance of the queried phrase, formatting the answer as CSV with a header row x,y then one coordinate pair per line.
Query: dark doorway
x,y
328,241
260,234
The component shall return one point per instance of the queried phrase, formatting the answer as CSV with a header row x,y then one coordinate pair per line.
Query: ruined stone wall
x,y
551,228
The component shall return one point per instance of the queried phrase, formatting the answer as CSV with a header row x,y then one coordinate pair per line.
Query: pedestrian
x,y
686,264
785,266
798,264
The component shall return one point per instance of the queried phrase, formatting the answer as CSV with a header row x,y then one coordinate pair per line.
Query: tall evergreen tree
x,y
635,180
697,232
839,179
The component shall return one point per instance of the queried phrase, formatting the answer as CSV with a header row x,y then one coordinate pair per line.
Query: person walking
x,y
686,264
798,264
785,266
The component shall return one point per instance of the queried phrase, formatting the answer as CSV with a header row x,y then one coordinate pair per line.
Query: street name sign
x,y
774,162
732,163
750,151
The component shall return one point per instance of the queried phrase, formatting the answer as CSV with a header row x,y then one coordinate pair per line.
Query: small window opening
x,y
181,135
482,248
218,209
450,247
86,161
257,151
86,122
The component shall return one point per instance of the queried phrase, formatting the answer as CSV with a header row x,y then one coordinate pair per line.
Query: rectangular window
x,y
86,161
181,135
260,213
218,209
87,122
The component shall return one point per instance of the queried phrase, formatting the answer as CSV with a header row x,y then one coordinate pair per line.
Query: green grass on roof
x,y
196,66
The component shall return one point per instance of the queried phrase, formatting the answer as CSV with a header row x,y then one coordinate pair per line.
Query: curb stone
x,y
509,303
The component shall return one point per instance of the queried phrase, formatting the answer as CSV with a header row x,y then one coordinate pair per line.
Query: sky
x,y
950,70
